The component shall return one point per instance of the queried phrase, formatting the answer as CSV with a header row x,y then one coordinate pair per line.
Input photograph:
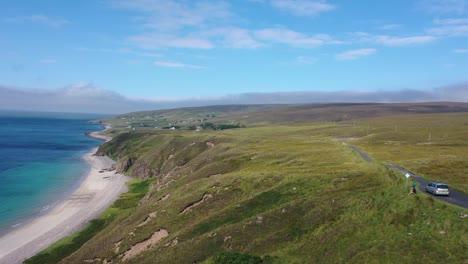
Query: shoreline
x,y
100,188
98,135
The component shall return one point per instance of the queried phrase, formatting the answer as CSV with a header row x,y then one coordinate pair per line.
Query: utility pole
x,y
429,136
395,128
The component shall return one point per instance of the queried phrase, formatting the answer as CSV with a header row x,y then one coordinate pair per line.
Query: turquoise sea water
x,y
40,161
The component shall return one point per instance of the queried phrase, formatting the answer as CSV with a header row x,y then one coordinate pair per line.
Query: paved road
x,y
363,155
456,198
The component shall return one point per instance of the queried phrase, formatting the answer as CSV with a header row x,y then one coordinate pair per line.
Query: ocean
x,y
40,161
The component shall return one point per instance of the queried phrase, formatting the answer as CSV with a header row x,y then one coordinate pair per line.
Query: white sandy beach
x,y
96,193
98,135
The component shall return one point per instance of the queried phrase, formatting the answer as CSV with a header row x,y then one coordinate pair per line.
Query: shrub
x,y
236,258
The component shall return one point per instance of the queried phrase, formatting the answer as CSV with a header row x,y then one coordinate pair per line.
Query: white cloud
x,y
48,61
81,97
38,19
122,51
451,21
460,50
355,54
450,27
232,37
181,24
388,40
210,24
173,64
170,15
402,41
306,60
444,7
294,38
303,7
390,26
157,41
450,31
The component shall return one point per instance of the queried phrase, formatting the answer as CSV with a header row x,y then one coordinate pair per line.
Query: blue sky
x,y
170,50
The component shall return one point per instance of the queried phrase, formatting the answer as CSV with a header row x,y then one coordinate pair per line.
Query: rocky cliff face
x,y
142,170
123,165
149,156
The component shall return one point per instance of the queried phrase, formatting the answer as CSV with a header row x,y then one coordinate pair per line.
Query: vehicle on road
x,y
437,188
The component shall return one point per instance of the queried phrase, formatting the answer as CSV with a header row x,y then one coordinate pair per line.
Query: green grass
x,y
236,258
283,190
443,157
290,193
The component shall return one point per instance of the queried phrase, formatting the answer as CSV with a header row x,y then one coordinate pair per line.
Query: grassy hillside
x,y
292,193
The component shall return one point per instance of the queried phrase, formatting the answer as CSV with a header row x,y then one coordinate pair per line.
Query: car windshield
x,y
442,186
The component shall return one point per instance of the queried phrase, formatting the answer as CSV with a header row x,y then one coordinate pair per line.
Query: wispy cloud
x,y
170,15
232,37
306,60
294,38
355,54
450,31
173,64
390,26
403,41
460,50
38,19
212,24
121,51
450,27
444,7
48,61
303,7
389,40
451,21
179,24
158,40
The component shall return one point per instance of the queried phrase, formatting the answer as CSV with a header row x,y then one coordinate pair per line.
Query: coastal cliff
x,y
144,161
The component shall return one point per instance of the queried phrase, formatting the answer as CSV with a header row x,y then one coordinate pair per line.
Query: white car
x,y
437,188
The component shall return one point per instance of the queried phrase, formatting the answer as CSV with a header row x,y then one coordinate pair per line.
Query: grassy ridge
x,y
286,194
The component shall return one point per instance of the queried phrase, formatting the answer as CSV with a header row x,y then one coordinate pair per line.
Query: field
x,y
286,188
434,146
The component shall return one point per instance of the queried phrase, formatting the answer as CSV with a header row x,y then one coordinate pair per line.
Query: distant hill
x,y
254,115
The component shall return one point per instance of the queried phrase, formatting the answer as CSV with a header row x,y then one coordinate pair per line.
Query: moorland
x,y
279,184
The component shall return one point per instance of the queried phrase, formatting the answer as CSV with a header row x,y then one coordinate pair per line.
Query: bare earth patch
x,y
189,207
148,218
145,245
163,198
